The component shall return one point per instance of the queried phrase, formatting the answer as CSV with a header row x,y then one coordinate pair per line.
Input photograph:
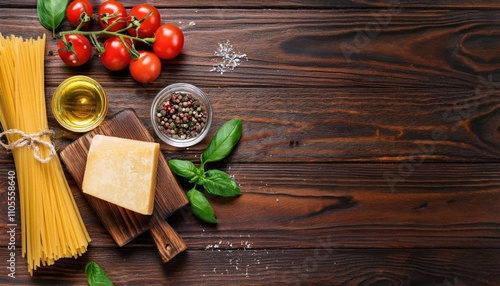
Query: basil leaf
x,y
219,183
96,276
51,13
223,142
185,169
200,206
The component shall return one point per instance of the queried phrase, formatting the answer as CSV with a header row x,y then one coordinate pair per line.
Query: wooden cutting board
x,y
122,224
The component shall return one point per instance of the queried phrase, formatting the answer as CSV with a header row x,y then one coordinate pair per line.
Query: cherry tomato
x,y
149,25
146,68
76,9
169,41
76,51
116,55
112,13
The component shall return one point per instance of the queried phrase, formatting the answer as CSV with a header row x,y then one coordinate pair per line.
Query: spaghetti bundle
x,y
51,224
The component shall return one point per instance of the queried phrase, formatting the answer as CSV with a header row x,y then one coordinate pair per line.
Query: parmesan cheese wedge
x,y
122,172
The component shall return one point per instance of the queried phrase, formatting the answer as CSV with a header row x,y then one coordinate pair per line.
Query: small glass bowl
x,y
195,124
79,104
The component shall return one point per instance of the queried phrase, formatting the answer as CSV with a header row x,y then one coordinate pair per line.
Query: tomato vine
x,y
142,25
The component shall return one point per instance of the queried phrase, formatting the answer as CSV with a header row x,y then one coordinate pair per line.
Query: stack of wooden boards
x,y
122,224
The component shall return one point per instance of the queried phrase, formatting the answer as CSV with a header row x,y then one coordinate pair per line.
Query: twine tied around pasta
x,y
31,141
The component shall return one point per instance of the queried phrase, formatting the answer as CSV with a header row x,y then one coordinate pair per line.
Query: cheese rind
x,y
122,172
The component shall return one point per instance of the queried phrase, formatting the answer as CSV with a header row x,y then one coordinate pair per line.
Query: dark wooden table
x,y
370,150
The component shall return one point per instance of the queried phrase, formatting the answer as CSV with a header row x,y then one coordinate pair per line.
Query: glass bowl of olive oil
x,y
79,104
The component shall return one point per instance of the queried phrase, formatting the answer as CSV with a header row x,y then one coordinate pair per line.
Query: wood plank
x,y
281,4
436,206
345,205
317,266
344,124
316,48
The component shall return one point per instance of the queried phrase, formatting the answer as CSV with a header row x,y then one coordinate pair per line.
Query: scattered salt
x,y
229,59
237,262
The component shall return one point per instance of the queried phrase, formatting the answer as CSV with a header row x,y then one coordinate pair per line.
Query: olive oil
x,y
79,104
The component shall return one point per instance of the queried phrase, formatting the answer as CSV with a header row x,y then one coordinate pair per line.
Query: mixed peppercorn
x,y
181,116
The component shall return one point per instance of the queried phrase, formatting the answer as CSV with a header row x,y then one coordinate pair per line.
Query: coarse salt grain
x,y
229,59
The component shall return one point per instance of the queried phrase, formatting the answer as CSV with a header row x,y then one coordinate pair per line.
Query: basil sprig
x,y
51,13
96,276
215,182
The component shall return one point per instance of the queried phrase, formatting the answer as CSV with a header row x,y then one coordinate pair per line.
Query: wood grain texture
x,y
346,205
318,266
370,149
345,124
296,4
167,240
316,48
425,80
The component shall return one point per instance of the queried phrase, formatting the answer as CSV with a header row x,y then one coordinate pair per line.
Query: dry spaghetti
x,y
51,224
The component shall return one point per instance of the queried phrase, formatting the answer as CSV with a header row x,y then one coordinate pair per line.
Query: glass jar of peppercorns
x,y
181,115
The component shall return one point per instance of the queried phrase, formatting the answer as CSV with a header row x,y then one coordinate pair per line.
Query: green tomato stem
x,y
108,33
95,42
134,54
94,34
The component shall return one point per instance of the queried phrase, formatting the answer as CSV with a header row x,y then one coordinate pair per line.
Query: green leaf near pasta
x,y
51,13
96,276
